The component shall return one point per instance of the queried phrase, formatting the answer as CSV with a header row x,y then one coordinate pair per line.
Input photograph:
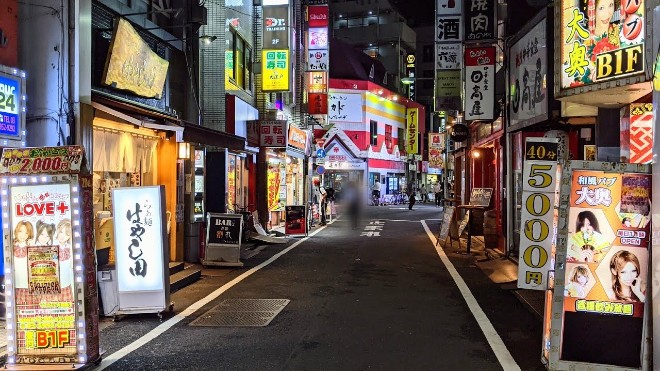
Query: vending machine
x,y
50,262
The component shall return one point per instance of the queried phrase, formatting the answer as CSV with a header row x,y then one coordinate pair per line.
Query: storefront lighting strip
x,y
79,271
9,299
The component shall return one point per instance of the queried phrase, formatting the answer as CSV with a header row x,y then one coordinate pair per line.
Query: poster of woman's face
x,y
623,273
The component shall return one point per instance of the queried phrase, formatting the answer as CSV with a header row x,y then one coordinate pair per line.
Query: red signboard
x,y
317,16
318,104
296,223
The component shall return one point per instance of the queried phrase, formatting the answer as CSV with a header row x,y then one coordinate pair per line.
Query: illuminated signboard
x,y
602,266
436,145
276,27
538,216
600,42
43,262
412,129
297,138
318,38
132,65
317,16
276,70
139,238
38,160
12,106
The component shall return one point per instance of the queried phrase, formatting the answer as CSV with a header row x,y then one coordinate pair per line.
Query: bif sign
x,y
620,62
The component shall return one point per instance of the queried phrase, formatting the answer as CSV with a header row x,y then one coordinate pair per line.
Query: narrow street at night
x,y
379,297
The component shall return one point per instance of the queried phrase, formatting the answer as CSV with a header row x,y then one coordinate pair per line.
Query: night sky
x,y
421,13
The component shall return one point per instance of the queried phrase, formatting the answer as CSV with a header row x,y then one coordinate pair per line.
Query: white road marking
x,y
151,335
494,340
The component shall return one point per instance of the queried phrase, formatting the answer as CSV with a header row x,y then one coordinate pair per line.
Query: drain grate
x,y
242,313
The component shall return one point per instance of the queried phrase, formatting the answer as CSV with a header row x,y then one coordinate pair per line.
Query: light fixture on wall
x,y
184,150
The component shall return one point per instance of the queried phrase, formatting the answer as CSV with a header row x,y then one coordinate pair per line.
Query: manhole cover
x,y
242,313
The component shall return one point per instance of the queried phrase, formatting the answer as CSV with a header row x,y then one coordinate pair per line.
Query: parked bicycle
x,y
248,221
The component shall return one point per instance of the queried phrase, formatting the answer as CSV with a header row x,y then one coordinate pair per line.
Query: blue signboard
x,y
320,170
10,106
320,153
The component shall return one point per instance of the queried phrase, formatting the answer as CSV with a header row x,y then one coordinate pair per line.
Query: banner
x,y
480,83
641,133
39,160
600,45
436,144
412,130
276,70
480,20
528,66
538,217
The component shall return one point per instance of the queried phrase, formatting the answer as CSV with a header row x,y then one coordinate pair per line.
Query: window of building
x,y
238,61
373,133
428,53
427,84
400,137
388,137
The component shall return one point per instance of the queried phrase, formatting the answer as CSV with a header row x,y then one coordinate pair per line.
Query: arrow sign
x,y
320,153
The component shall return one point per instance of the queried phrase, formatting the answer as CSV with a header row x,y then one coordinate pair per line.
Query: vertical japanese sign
x,y
436,144
605,284
449,56
641,133
318,104
317,16
479,83
538,217
276,27
412,130
317,60
272,133
480,20
528,93
276,70
600,42
139,239
318,38
43,271
449,28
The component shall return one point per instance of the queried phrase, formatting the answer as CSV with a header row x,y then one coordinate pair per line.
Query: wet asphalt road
x,y
359,300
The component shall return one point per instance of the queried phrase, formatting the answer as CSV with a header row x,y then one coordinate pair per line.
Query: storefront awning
x,y
168,126
198,134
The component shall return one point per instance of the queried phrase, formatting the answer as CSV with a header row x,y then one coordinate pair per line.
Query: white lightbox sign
x,y
139,238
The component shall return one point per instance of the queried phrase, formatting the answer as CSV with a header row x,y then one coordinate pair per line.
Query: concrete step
x,y
176,267
187,276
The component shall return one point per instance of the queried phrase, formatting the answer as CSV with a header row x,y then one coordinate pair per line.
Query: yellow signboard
x,y
412,128
132,65
275,70
600,40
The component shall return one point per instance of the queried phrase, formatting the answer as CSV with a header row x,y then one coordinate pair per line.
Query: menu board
x,y
481,196
447,220
605,284
224,229
296,223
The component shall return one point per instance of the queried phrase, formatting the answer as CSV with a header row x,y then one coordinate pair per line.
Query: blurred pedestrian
x,y
411,195
321,196
425,193
353,202
437,189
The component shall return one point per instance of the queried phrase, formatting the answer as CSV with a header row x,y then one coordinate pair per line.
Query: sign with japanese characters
x,y
139,241
272,133
600,40
12,116
132,65
317,104
317,60
317,38
412,130
276,27
43,270
449,56
538,215
445,7
345,107
297,138
317,82
317,16
39,160
275,70
480,20
641,133
224,229
480,83
436,145
528,92
603,282
449,28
